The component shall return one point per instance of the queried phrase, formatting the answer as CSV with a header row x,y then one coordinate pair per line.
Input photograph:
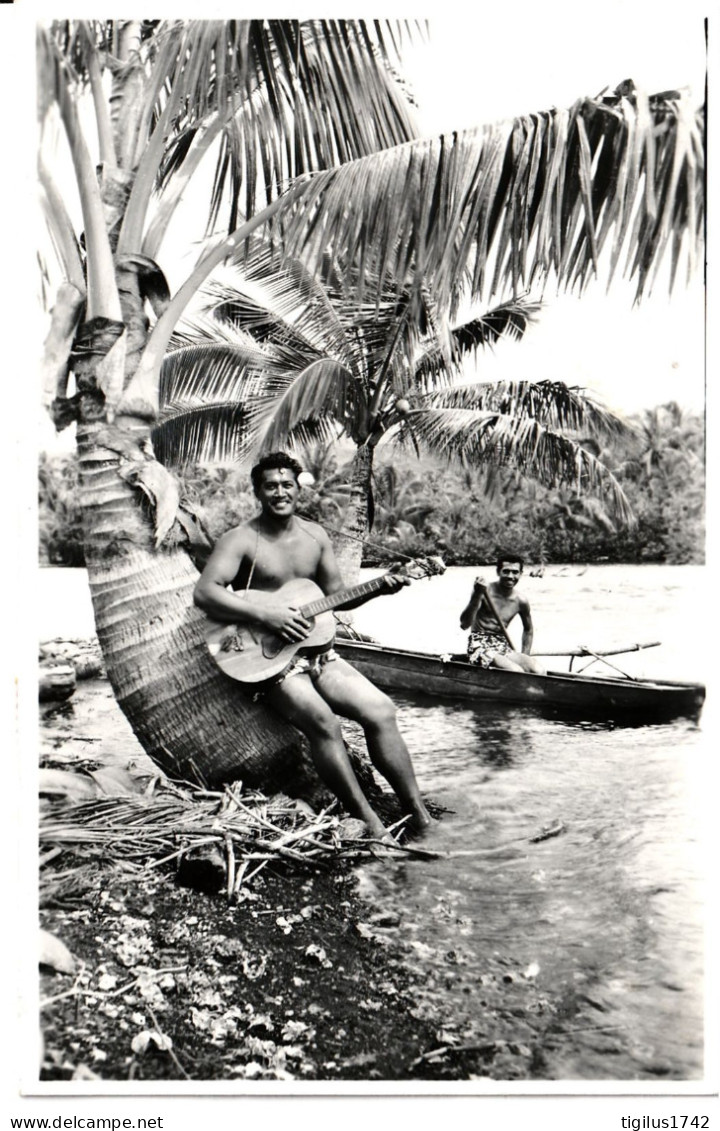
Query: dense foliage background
x,y
422,506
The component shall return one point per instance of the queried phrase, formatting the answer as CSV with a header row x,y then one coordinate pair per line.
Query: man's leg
x,y
349,693
297,700
506,662
518,662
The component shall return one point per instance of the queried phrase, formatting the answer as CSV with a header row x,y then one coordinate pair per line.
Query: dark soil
x,y
171,983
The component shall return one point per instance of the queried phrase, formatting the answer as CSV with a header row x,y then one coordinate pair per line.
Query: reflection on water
x,y
584,946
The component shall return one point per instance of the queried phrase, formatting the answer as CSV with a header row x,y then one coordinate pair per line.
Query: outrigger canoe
x,y
568,693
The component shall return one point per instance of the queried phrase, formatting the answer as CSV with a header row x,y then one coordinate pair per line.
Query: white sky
x,y
513,60
519,58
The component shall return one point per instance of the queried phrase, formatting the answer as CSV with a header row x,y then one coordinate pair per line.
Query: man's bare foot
x,y
420,820
376,828
384,847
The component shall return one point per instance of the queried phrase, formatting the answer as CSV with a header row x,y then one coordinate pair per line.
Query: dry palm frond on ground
x,y
156,823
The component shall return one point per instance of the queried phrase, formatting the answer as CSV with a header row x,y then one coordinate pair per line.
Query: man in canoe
x,y
256,559
488,613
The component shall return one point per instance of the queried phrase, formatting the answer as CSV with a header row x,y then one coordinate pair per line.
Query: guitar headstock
x,y
419,568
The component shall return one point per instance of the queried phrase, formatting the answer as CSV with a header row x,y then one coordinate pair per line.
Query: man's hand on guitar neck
x,y
393,582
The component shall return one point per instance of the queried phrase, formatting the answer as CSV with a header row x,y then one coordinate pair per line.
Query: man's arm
x,y
526,618
254,606
467,616
211,593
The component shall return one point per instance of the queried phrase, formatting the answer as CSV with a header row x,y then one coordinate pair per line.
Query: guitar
x,y
250,653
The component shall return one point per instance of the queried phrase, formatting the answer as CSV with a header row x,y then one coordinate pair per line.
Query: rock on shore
x,y
63,662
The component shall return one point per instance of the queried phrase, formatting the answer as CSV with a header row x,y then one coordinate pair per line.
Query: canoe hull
x,y
557,692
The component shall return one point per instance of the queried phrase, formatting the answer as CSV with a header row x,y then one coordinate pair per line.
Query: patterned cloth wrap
x,y
310,664
483,646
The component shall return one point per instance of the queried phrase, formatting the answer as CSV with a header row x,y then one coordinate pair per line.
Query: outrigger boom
x,y
580,651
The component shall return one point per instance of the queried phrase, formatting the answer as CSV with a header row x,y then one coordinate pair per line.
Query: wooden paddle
x,y
493,609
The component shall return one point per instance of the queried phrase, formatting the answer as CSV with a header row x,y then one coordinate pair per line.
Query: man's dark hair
x,y
508,556
271,462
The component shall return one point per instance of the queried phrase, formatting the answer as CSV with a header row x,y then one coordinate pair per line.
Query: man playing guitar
x,y
257,559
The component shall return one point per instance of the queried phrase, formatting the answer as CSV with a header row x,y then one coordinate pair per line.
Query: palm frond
x,y
439,211
321,429
289,96
443,208
323,390
200,433
473,438
297,96
551,403
285,308
277,395
279,301
509,319
213,370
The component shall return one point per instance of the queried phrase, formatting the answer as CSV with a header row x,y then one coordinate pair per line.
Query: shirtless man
x,y
256,559
487,645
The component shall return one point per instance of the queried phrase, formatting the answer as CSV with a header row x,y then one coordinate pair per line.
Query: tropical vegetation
x,y
281,359
299,118
425,505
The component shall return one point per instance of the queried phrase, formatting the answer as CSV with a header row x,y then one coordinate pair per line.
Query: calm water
x,y
588,945
585,948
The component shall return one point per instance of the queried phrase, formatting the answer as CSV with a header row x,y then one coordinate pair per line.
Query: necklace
x,y
255,556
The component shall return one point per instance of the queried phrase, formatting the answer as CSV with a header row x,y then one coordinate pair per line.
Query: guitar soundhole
x,y
272,646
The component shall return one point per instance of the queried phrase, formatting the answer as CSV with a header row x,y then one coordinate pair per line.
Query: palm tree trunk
x,y
347,541
194,722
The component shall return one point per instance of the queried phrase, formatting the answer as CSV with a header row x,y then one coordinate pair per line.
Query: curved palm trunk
x,y
195,723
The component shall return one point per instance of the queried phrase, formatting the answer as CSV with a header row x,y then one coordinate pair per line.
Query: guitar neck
x,y
324,604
